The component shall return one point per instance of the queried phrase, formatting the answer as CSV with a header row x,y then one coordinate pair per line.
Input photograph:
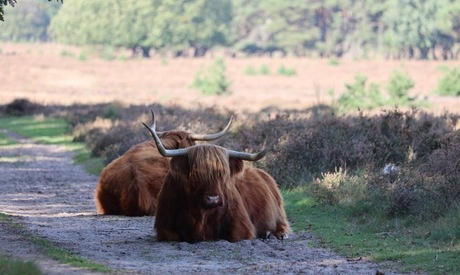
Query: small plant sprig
x,y
265,70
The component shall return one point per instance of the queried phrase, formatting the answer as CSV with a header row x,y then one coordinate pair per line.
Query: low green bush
x,y
282,70
398,87
250,70
449,84
264,69
360,96
212,80
10,266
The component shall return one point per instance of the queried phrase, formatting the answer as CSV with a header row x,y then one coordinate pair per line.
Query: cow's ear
x,y
236,165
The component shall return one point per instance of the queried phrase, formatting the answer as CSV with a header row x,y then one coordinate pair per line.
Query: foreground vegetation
x,y
384,186
11,266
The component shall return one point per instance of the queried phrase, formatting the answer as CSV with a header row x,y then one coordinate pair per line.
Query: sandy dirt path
x,y
52,198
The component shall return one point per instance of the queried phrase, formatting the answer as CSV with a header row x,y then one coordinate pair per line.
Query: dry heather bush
x,y
110,138
312,144
408,193
337,187
21,107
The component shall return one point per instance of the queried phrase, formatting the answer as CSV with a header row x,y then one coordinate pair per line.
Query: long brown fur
x,y
251,204
130,184
264,203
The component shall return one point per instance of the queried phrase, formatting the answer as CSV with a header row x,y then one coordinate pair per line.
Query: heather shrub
x,y
110,139
407,192
337,188
21,107
340,157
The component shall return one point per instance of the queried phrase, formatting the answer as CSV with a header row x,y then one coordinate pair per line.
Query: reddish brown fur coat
x,y
264,203
251,202
129,185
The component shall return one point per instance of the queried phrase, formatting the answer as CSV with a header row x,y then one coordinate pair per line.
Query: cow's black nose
x,y
213,199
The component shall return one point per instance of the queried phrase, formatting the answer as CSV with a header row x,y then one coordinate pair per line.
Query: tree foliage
x,y
334,28
144,24
28,22
12,4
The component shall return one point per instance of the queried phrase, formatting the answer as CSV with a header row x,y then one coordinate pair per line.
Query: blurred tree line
x,y
421,29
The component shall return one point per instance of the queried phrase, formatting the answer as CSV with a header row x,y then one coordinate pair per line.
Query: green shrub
x,y
449,85
282,70
112,112
250,70
82,56
212,80
398,87
334,61
264,70
359,96
107,53
66,53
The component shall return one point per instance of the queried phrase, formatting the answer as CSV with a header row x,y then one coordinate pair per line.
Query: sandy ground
x,y
52,198
56,74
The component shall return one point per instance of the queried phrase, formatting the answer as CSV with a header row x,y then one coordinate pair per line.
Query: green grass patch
x,y
5,140
11,266
83,157
48,131
65,256
354,230
62,255
38,128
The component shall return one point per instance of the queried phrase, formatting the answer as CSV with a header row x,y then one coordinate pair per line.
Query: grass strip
x,y
398,243
45,245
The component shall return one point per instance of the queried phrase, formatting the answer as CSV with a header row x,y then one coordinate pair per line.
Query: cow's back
x,y
129,185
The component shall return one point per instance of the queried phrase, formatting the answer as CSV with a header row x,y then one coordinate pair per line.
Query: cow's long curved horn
x,y
251,156
161,149
209,137
204,137
154,123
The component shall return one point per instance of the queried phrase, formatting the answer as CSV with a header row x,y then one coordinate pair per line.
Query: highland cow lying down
x,y
209,194
129,185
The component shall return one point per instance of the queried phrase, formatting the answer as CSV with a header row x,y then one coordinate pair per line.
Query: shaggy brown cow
x,y
209,194
129,185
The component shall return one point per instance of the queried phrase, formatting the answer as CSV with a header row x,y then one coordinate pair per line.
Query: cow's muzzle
x,y
212,201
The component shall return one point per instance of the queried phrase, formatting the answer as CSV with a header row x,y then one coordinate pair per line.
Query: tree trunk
x,y
145,52
424,53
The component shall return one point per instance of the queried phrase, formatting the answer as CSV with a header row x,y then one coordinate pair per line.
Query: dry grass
x,y
50,73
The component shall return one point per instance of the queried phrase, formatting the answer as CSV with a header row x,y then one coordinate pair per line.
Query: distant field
x,y
50,73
